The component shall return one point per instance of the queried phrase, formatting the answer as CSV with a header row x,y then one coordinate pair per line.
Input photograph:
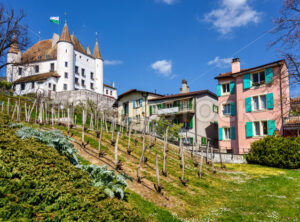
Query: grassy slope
x,y
38,183
241,192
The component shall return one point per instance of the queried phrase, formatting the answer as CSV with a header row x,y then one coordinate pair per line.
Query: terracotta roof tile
x,y
136,90
230,74
38,77
13,48
42,50
65,36
108,86
96,52
77,45
181,95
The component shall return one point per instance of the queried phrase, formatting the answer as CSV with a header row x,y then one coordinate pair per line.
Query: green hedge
x,y
276,152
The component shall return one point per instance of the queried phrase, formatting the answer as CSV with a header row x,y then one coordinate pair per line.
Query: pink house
x,y
252,104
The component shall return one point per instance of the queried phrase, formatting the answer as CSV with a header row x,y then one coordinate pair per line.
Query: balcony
x,y
176,110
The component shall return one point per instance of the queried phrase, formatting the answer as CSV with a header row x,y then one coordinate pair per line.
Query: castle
x,y
60,65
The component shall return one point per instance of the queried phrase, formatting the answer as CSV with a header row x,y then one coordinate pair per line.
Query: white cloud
x,y
168,2
232,14
112,62
163,67
221,63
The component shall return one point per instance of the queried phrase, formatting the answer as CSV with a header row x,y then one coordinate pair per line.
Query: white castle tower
x,y
65,61
13,56
98,68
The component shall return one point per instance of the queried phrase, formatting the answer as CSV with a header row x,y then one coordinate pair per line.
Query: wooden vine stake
x,y
68,110
52,119
140,162
200,174
164,172
2,108
29,116
128,147
180,147
83,123
117,162
101,153
221,161
157,186
212,159
183,181
8,106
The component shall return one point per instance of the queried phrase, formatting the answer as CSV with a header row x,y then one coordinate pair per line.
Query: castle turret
x,y
65,61
13,57
98,68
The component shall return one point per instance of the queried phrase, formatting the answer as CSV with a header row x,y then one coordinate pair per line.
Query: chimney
x,y
184,87
113,84
55,39
236,67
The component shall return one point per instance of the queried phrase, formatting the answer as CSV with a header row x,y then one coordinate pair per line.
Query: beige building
x,y
133,106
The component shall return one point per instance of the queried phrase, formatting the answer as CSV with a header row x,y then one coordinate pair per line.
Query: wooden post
x,y
180,147
14,109
75,120
221,162
29,116
164,172
206,152
182,165
201,165
83,123
68,110
91,122
141,159
192,153
212,159
2,107
157,187
128,147
52,120
116,150
25,112
8,106
100,137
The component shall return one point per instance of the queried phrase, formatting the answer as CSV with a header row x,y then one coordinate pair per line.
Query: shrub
x,y
276,152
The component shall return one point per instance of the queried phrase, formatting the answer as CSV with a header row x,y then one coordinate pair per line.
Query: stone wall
x,y
82,96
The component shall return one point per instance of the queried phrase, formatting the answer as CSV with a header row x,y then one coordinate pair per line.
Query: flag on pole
x,y
54,19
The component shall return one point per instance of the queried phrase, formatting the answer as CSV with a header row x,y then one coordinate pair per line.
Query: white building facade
x,y
57,65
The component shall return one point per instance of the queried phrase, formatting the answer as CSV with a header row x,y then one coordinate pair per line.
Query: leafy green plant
x,y
276,152
161,126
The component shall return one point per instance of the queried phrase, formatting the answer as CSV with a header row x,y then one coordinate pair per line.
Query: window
x,y
49,85
258,78
66,64
76,81
260,128
66,50
76,69
154,109
65,87
227,134
32,85
107,92
138,118
92,75
255,103
257,128
259,102
36,68
39,57
111,92
20,71
82,72
82,83
66,75
54,87
226,109
263,102
215,108
225,88
22,86
51,67
92,85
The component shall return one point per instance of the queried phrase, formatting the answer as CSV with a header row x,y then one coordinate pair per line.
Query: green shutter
x,y
159,106
248,104
269,75
233,110
191,140
191,104
271,127
232,89
232,132
249,130
150,109
220,133
133,103
247,81
175,104
191,122
164,105
219,90
150,126
203,141
270,101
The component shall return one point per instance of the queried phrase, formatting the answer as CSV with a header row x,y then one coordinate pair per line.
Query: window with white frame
x,y
65,87
259,102
260,128
227,133
258,78
36,68
138,118
154,109
226,109
225,88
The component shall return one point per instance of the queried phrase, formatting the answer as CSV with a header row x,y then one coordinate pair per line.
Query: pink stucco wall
x,y
242,144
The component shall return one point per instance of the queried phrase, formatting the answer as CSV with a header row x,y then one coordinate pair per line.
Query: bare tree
x,y
287,38
12,32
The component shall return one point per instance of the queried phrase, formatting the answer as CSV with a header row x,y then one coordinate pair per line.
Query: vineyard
x,y
62,172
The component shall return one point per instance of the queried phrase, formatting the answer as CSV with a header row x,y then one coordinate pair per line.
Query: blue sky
x,y
154,44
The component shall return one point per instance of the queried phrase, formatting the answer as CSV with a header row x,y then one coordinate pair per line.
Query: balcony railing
x,y
181,108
